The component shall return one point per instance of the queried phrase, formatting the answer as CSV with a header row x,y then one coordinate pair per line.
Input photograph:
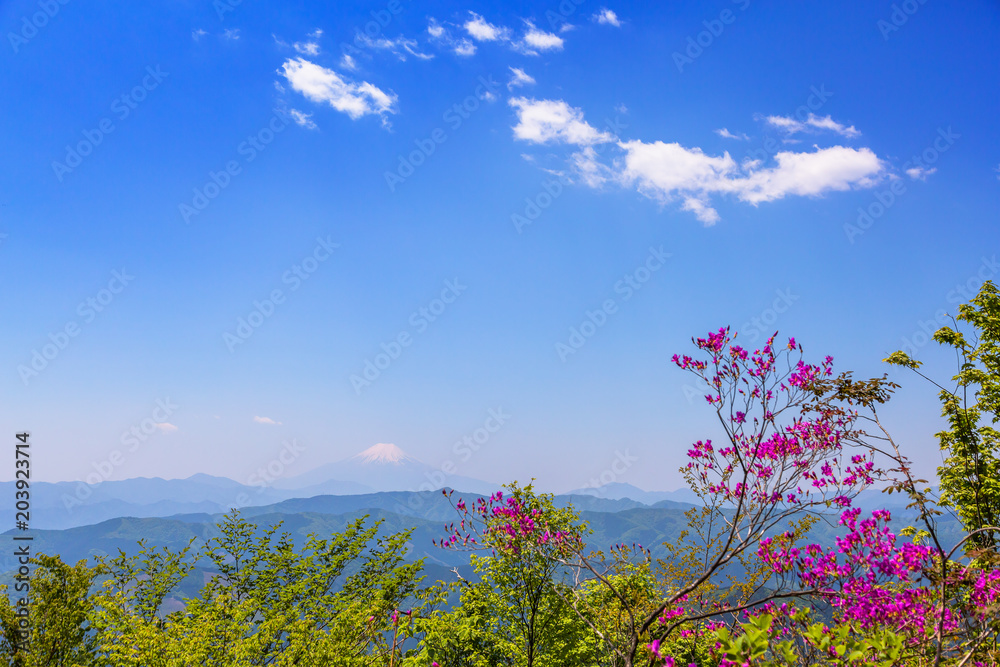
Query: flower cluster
x,y
503,523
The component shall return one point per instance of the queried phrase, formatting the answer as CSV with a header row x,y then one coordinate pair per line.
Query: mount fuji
x,y
381,467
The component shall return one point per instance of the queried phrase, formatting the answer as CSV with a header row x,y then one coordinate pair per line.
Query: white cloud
x,y
810,174
198,34
589,169
320,84
998,172
435,29
166,427
543,121
607,17
662,171
668,171
519,78
483,31
726,134
399,47
307,48
464,47
541,40
920,173
813,122
303,119
231,33
266,420
348,62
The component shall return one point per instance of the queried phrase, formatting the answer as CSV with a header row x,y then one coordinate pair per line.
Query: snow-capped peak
x,y
383,452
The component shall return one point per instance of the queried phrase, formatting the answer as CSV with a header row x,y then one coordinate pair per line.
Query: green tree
x,y
970,474
58,609
334,601
519,612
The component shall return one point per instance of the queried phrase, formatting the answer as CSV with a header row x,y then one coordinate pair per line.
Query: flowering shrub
x,y
794,448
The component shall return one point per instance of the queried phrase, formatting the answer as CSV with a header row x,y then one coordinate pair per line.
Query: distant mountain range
x,y
382,468
612,521
618,490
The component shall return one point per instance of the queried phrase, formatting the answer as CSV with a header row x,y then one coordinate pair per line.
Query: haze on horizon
x,y
479,233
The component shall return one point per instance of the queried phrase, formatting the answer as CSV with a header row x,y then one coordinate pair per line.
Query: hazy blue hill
x,y
612,521
70,504
620,490
590,503
430,506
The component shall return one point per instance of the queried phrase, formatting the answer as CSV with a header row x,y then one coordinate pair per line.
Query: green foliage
x,y
760,642
970,474
58,606
333,600
519,611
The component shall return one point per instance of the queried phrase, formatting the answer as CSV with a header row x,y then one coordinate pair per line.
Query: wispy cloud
x,y
460,47
920,173
266,420
303,119
198,34
811,123
307,48
165,427
320,84
231,33
400,47
540,40
519,78
607,17
482,30
726,134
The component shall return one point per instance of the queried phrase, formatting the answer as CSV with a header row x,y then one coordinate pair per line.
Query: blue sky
x,y
515,161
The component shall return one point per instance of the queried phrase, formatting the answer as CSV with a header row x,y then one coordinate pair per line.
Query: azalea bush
x,y
742,587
